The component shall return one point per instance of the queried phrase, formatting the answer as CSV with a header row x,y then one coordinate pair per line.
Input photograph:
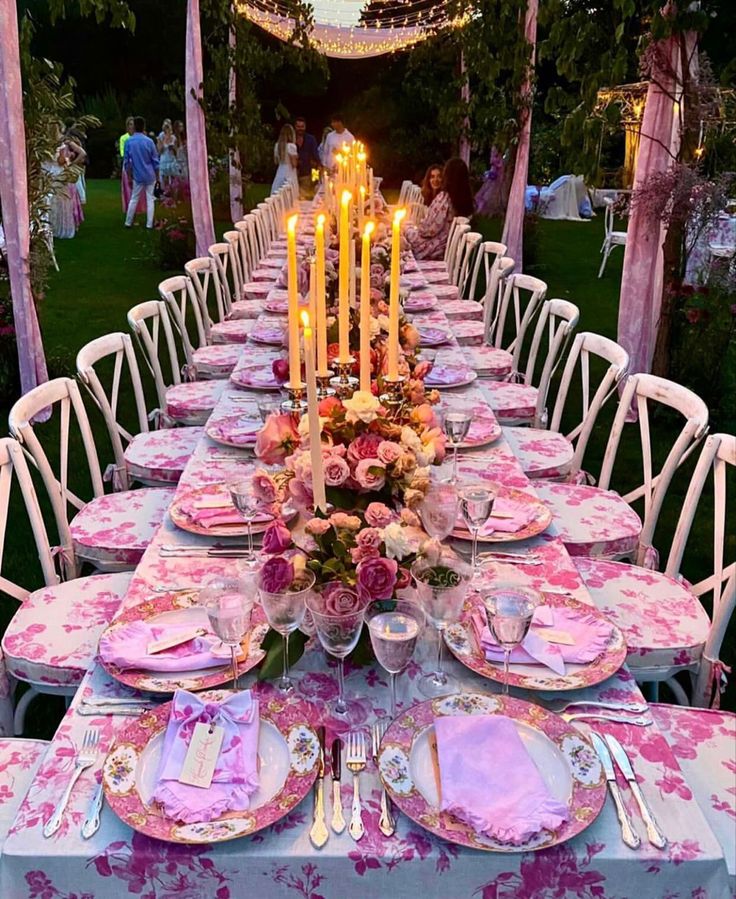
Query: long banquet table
x,y
280,861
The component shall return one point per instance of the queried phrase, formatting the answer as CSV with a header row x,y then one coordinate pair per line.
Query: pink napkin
x,y
513,802
520,515
447,374
590,634
210,517
127,647
236,773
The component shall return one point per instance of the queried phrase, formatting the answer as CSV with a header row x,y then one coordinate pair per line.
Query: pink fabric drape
x,y
14,203
199,182
513,225
236,177
643,271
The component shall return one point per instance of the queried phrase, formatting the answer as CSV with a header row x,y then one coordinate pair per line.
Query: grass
x,y
107,269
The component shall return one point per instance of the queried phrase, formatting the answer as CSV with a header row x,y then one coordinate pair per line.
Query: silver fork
x,y
635,720
386,822
562,705
85,758
356,761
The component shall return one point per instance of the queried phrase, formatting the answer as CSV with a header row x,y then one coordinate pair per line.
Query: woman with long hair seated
x,y
429,240
431,183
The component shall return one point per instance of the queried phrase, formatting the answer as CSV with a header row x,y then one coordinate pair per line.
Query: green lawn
x,y
107,269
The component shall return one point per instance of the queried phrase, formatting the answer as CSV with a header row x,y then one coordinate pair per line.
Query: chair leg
x,y
679,691
20,710
7,728
606,254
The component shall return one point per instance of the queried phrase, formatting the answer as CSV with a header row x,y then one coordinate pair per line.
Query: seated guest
x,y
431,183
429,240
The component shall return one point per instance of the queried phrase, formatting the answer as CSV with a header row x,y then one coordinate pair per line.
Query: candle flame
x,y
346,197
321,219
399,215
291,223
305,318
370,227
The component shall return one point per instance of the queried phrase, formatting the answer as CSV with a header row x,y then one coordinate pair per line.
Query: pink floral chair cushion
x,y
512,402
703,742
246,309
234,330
431,265
468,332
159,457
664,624
264,274
217,361
52,638
490,361
113,531
193,402
542,454
274,262
436,276
19,761
453,307
591,521
257,290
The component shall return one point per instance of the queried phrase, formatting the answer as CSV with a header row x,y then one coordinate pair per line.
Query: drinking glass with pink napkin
x,y
589,633
215,511
489,781
236,772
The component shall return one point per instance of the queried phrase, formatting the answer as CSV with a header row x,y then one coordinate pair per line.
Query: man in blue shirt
x,y
308,158
141,161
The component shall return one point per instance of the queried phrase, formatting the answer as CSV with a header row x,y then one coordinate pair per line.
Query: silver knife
x,y
130,710
318,833
654,834
628,834
92,821
338,821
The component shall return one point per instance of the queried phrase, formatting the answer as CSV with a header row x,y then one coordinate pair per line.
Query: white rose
x,y
410,439
375,327
383,323
363,406
397,542
303,428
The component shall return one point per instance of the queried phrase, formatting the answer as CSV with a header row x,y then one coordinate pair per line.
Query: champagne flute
x,y
476,505
456,424
229,611
337,612
246,501
509,609
285,608
394,627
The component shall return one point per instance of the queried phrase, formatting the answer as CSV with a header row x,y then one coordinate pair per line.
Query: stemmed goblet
x,y
285,606
438,510
246,501
229,611
476,505
456,424
509,609
338,612
269,405
394,626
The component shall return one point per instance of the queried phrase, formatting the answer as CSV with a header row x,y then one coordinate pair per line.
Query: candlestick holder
x,y
393,396
323,384
296,403
344,383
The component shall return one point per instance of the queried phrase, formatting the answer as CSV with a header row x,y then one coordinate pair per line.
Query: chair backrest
x,y
501,270
13,463
470,245
221,253
405,185
453,249
232,238
205,283
181,299
586,347
248,254
486,258
150,324
522,296
642,392
62,394
119,348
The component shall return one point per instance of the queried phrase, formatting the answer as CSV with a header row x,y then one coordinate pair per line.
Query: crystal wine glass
x,y
285,610
229,611
337,612
438,510
509,609
246,501
269,405
476,505
456,424
394,626
441,589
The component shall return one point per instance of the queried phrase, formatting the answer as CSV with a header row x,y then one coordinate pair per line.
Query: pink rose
x,y
336,471
276,537
403,579
409,518
301,493
359,553
370,474
328,406
369,538
410,336
377,578
339,599
388,451
378,515
424,414
264,486
318,526
365,446
422,369
276,439
343,520
276,574
280,369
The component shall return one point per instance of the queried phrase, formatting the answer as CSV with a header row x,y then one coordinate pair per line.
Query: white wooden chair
x,y
612,237
525,402
550,453
521,299
188,403
487,360
109,531
208,286
667,628
153,458
453,296
51,640
473,330
597,521
241,308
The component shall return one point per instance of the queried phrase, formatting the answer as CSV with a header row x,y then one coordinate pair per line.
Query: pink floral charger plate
x,y
288,752
171,609
230,430
218,493
564,756
463,644
538,525
270,335
255,377
450,376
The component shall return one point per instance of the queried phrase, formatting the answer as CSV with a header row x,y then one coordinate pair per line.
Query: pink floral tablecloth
x,y
280,861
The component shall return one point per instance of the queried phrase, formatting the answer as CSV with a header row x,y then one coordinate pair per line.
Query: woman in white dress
x,y
285,155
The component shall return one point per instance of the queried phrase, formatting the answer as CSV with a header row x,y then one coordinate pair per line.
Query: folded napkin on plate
x,y
127,646
489,781
508,516
209,516
447,374
589,633
236,773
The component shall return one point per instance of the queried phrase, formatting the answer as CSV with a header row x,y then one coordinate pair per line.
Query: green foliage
x,y
117,12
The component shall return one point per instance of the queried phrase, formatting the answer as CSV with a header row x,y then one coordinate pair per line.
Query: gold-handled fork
x,y
356,762
85,758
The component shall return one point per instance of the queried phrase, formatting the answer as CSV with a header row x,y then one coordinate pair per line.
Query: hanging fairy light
x,y
350,29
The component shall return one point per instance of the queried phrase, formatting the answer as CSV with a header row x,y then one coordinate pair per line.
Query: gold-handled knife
x,y
318,834
654,834
338,821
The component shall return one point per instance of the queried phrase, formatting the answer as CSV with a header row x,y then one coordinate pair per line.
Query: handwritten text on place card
x,y
201,758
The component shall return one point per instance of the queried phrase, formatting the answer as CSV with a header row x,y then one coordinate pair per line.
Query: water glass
x,y
456,424
269,405
285,611
510,609
229,610
246,501
394,626
438,510
476,505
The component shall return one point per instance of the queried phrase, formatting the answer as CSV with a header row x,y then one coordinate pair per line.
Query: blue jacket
x,y
140,158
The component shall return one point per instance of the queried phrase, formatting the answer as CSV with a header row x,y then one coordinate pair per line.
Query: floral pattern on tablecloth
x,y
192,403
19,761
542,454
161,456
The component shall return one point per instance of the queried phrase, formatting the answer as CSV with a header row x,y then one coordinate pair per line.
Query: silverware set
x,y
387,822
85,758
511,558
115,705
206,551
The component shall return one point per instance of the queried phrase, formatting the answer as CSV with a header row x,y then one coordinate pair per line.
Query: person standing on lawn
x,y
141,160
308,158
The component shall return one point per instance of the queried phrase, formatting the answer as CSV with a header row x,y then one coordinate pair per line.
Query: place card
x,y
554,636
201,758
169,643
